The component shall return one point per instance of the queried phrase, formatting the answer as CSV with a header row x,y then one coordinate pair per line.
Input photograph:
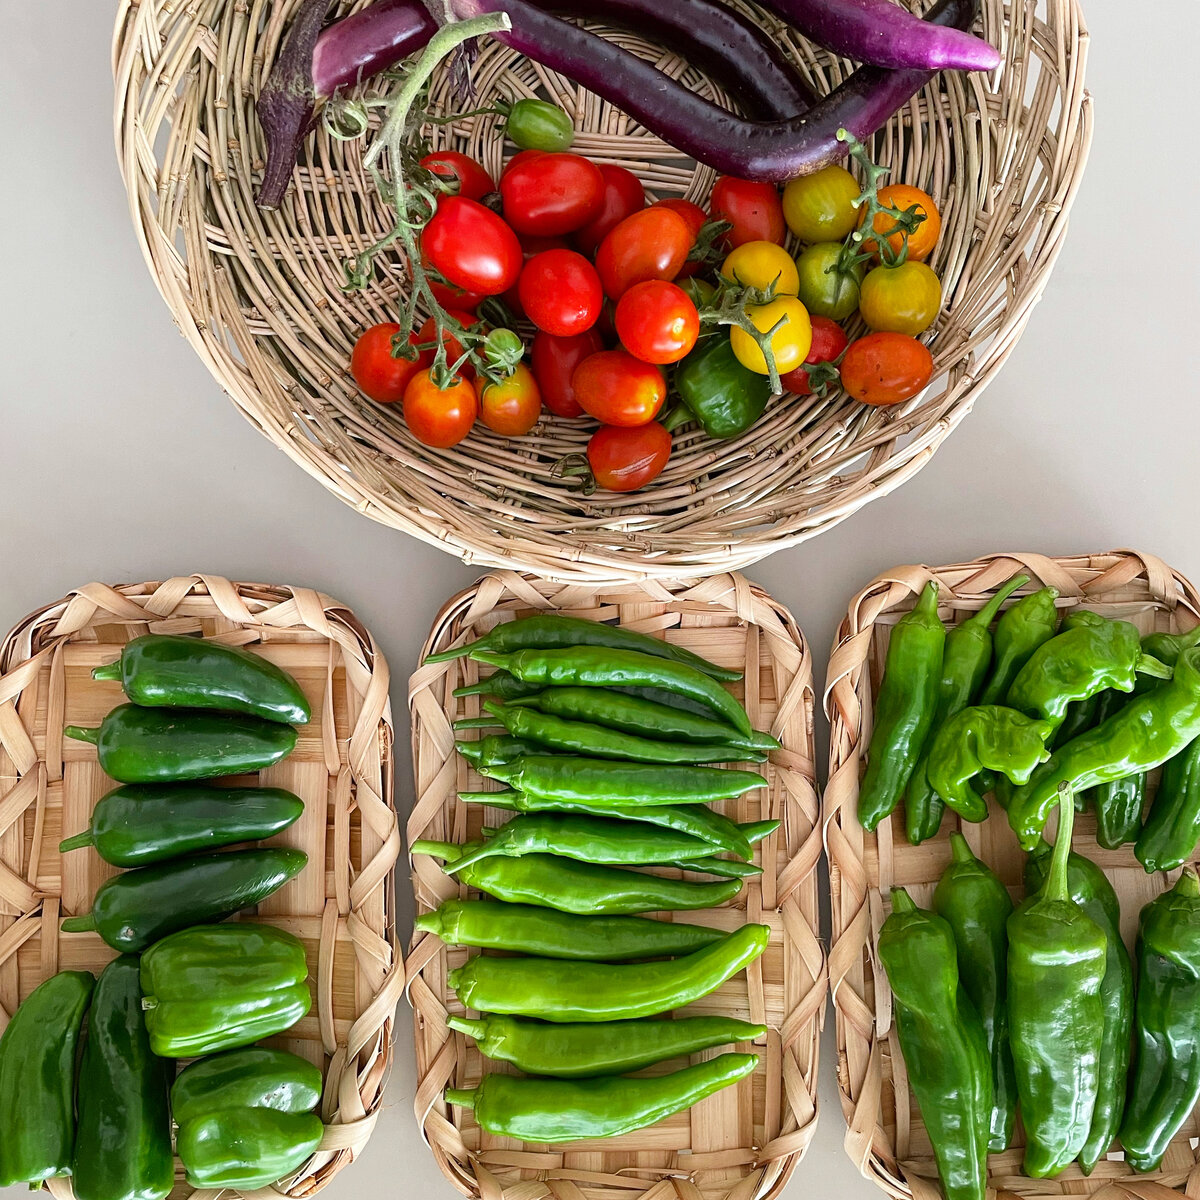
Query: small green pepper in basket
x,y
1173,824
724,396
1019,632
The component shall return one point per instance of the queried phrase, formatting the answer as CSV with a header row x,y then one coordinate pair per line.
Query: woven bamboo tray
x,y
745,1142
341,906
885,1137
257,294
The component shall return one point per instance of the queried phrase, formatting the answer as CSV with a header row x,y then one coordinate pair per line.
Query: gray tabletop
x,y
123,460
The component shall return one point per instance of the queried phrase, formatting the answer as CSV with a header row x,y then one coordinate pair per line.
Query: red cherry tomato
x,y
828,341
554,360
439,417
471,247
379,375
560,292
454,297
454,348
623,460
657,322
886,368
753,209
623,196
551,194
651,244
695,217
521,156
473,181
618,389
512,406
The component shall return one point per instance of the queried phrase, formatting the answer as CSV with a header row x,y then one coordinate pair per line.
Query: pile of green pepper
x,y
605,739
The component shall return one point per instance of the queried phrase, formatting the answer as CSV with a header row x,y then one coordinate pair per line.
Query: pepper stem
x,y
1149,665
476,723
487,850
902,902
84,924
490,658
987,614
499,799
449,851
1188,884
448,655
475,1029
78,842
110,670
960,850
1055,887
83,733
926,603
463,1097
429,922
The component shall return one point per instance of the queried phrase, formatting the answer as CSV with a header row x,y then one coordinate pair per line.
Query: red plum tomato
x,y
454,297
379,375
454,348
439,417
560,292
886,368
651,244
473,181
553,361
551,194
695,217
623,196
657,322
754,211
828,341
513,405
623,459
471,247
618,389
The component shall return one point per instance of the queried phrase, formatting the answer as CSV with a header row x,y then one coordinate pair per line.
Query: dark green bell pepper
x,y
725,397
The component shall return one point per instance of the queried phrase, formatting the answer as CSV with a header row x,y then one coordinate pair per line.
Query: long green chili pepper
x,y
976,905
1166,1073
564,1110
528,929
558,991
1056,966
904,709
943,1043
550,631
609,1048
1090,889
965,660
596,666
567,777
1120,803
1019,632
500,684
578,887
1173,825
1150,729
497,749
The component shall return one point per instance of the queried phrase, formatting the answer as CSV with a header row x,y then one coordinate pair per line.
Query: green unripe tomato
x,y
539,125
825,289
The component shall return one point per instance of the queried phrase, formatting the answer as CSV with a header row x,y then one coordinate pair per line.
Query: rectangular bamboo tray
x,y
745,1142
885,1137
342,906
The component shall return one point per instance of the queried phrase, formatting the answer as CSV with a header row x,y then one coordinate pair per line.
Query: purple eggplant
x,y
886,35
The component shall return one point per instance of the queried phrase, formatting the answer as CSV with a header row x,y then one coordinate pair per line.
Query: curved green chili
x,y
1173,825
1019,632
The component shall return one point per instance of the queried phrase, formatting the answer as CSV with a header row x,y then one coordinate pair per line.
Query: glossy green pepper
x,y
1173,824
496,749
1118,804
942,1039
539,125
123,1137
529,929
984,738
564,1110
608,1048
564,992
1166,1073
580,887
167,745
135,825
1150,729
217,987
37,1079
904,708
1019,632
965,660
166,670
971,899
1090,889
135,908
1056,967
1167,647
725,397
245,1117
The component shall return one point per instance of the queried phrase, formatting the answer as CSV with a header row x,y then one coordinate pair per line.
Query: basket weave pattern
x,y
885,1137
257,294
341,905
745,1142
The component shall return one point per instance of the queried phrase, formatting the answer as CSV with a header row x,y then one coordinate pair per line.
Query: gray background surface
x,y
123,461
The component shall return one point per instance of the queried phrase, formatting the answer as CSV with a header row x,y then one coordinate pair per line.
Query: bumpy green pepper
x,y
1173,824
1119,804
724,396
1166,1073
1167,647
904,708
1019,632
971,898
1056,967
983,738
943,1042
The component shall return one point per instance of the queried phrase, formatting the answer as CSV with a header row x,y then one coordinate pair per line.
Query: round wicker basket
x,y
257,294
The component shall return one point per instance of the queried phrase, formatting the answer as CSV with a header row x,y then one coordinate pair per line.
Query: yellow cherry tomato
x,y
790,343
759,264
903,299
820,207
902,197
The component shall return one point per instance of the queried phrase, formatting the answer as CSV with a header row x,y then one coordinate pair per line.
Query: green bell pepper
x,y
725,397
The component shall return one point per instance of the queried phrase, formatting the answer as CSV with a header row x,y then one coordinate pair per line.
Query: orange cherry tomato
x,y
618,389
886,368
902,196
651,244
439,417
657,321
511,407
379,375
623,460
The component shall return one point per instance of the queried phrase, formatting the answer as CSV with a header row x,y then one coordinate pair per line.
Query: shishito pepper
x,y
135,908
216,987
943,1043
37,1079
904,709
1056,967
1166,1073
245,1117
723,395
167,745
123,1140
564,1110
165,670
1090,889
1019,632
1173,824
1118,804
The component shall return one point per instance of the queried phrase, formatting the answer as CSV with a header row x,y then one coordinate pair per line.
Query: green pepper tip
x,y
1188,883
77,842
902,901
475,1029
110,670
463,1097
960,849
83,924
83,733
446,655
